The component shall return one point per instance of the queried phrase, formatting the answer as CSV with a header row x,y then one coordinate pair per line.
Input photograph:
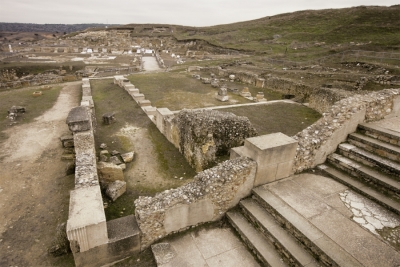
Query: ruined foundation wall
x,y
323,99
205,199
205,134
319,140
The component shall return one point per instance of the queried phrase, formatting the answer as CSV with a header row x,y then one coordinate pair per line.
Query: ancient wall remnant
x,y
319,140
206,198
205,134
93,241
323,99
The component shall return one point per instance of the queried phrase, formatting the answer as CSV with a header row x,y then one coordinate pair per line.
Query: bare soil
x,y
34,190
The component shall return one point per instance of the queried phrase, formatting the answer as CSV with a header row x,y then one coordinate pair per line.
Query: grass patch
x,y
169,157
278,117
35,106
108,97
177,91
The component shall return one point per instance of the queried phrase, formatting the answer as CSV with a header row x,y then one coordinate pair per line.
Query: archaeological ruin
x,y
293,146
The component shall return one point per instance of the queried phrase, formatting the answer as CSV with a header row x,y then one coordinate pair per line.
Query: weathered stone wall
x,y
206,198
204,134
317,141
323,99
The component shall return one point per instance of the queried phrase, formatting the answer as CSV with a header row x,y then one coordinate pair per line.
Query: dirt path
x,y
34,191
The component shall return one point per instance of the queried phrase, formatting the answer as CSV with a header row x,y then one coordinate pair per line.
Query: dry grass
x,y
279,117
35,106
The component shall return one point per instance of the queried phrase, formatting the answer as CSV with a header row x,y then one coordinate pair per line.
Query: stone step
x,y
365,189
373,145
323,248
286,244
264,250
381,181
367,158
379,133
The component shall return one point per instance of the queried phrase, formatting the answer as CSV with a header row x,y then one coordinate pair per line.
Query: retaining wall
x,y
319,140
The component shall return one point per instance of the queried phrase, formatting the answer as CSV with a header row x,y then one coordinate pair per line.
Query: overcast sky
x,y
181,12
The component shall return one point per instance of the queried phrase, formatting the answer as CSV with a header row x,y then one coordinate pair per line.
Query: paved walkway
x,y
150,64
207,247
392,123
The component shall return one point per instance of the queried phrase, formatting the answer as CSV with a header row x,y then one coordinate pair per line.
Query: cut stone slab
x,y
219,247
109,172
86,220
127,157
78,119
339,232
116,189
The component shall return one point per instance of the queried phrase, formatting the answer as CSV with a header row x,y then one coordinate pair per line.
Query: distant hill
x,y
373,26
51,28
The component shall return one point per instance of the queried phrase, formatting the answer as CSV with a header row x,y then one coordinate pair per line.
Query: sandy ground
x,y
34,190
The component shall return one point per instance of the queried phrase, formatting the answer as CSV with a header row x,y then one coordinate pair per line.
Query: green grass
x,y
177,91
380,25
280,117
35,106
108,97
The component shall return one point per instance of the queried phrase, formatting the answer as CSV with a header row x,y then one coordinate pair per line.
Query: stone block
x,y
109,172
128,86
138,97
150,111
161,114
128,157
78,119
124,241
86,175
184,215
133,91
144,103
222,98
274,154
85,104
118,78
86,225
89,99
84,142
86,90
108,118
116,189
271,148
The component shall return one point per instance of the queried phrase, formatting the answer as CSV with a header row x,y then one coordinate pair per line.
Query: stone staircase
x,y
301,221
368,163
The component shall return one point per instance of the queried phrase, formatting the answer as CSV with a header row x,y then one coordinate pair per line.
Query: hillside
x,y
53,28
373,27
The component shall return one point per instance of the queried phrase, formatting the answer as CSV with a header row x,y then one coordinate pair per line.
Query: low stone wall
x,y
205,199
323,99
319,140
205,134
93,241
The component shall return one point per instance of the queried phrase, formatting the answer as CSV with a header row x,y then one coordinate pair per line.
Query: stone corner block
x,y
86,223
78,119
